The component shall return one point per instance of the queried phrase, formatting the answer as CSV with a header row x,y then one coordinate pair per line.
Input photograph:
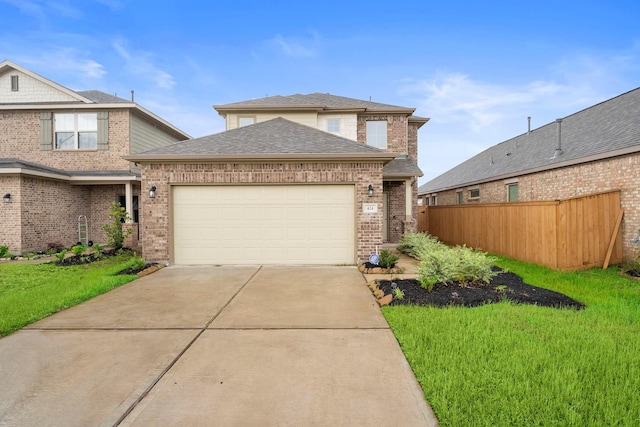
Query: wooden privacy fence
x,y
567,234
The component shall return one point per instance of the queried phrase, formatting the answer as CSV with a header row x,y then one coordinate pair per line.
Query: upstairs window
x,y
246,121
377,134
474,193
76,131
460,197
333,125
14,83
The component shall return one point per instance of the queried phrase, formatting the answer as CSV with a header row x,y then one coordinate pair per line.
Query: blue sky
x,y
477,69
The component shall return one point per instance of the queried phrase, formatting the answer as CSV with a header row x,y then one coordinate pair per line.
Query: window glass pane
x,y
88,121
64,141
377,134
64,122
245,121
460,197
87,140
333,125
513,192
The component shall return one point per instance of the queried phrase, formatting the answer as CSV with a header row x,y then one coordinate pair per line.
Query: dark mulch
x,y
476,294
87,258
137,270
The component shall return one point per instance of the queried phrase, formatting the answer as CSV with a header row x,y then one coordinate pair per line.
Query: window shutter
x,y
46,132
103,130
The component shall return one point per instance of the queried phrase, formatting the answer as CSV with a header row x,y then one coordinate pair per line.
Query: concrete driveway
x,y
227,346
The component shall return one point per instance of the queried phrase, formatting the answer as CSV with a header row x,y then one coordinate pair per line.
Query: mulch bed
x,y
476,294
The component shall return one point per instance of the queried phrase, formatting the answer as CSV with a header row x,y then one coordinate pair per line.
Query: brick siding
x,y
20,137
155,213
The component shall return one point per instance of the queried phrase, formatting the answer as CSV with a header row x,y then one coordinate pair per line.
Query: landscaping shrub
x,y
115,233
4,250
387,259
441,264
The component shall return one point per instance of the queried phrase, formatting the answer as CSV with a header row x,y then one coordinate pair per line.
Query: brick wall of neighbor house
x,y
10,215
412,141
154,213
20,133
50,211
621,173
396,130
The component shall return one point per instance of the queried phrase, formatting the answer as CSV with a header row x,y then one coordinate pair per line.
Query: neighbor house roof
x,y
274,139
608,129
13,166
90,99
312,101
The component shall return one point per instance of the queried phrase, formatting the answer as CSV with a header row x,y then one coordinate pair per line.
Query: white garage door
x,y
276,224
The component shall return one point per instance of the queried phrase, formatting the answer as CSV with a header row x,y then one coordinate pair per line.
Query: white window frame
x,y
15,83
509,185
459,197
333,125
77,128
377,133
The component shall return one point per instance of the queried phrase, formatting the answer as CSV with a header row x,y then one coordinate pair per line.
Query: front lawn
x,y
30,292
505,364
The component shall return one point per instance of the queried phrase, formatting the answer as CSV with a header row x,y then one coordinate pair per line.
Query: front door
x,y
385,216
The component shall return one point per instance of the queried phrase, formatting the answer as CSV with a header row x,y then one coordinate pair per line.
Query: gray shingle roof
x,y
607,129
102,98
401,166
274,137
312,100
13,163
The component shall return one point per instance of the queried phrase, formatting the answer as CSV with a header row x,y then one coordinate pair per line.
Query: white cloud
x,y
41,9
141,63
66,60
295,47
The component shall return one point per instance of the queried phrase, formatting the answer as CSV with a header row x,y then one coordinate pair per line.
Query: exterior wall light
x,y
370,190
152,192
6,198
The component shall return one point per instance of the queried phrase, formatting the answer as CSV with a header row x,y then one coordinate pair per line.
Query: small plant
x,y
78,250
51,251
29,255
4,251
387,259
86,259
115,233
398,293
138,262
60,255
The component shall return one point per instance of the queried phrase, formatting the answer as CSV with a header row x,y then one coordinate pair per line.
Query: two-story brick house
x,y
295,179
61,159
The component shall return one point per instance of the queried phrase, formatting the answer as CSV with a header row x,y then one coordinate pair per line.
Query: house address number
x,y
370,207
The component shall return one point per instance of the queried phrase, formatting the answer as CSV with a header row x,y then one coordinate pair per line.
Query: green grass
x,y
29,292
506,364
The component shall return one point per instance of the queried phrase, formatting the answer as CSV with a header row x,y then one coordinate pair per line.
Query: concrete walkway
x,y
203,345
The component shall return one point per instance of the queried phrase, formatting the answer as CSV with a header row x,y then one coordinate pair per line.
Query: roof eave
x,y
223,110
190,158
572,162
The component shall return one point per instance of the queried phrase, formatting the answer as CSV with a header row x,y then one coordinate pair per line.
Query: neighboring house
x,y
591,151
317,179
61,159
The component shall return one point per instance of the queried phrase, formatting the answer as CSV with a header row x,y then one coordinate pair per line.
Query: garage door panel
x,y
310,224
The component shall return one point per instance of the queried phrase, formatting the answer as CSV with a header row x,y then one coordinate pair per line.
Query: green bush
x,y
115,233
441,264
387,259
78,249
4,251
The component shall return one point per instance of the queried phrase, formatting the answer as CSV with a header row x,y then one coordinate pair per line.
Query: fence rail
x,y
562,234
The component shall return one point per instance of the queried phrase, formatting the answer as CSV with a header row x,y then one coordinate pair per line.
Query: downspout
x,y
558,151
